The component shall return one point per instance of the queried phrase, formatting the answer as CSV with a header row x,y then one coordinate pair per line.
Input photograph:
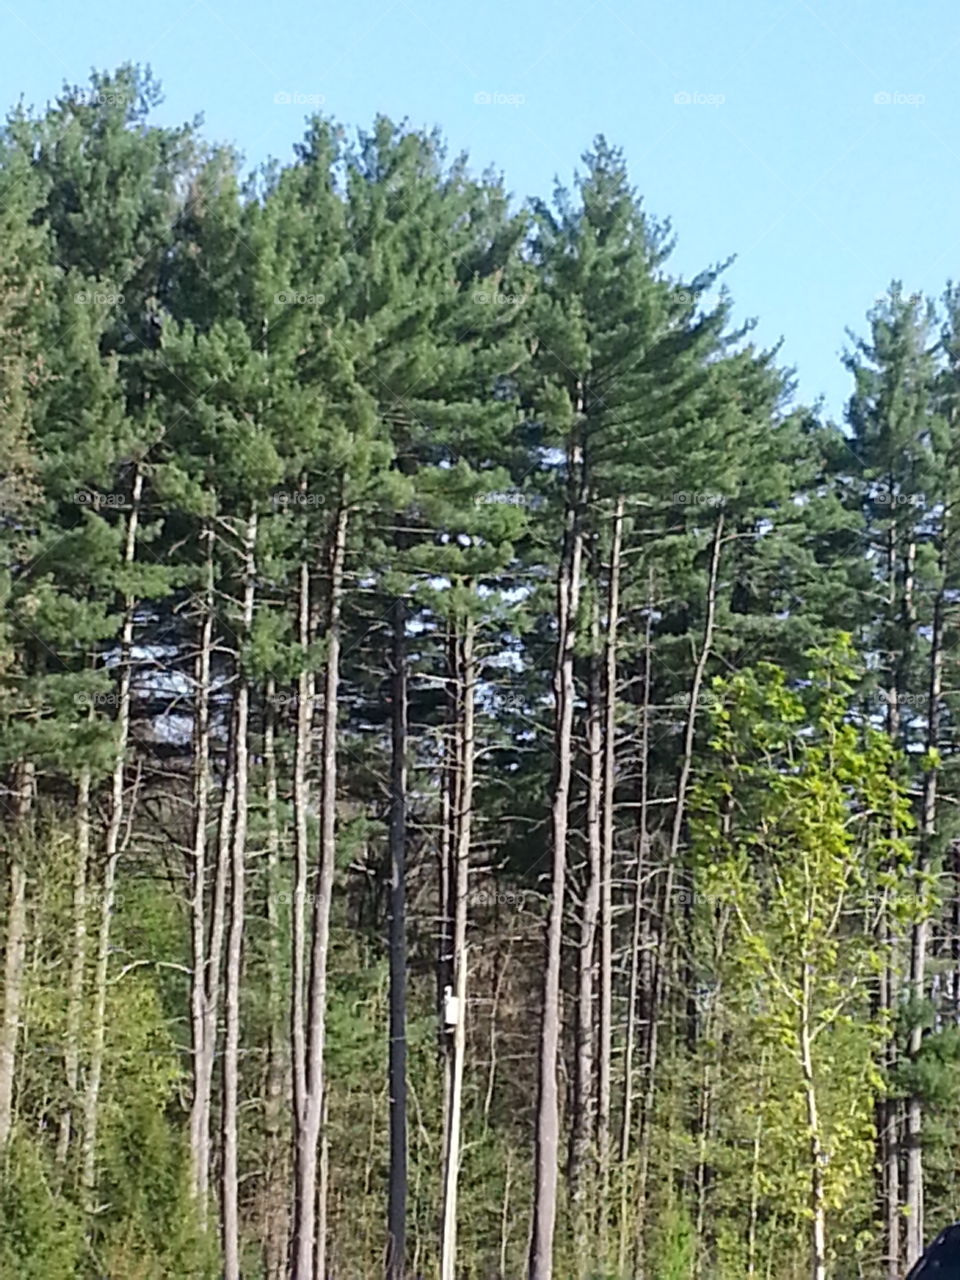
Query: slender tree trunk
x,y
547,1113
233,972
460,881
817,1205
303,748
278,1083
626,1123
202,1067
679,812
78,966
583,1090
397,1066
309,1121
15,948
890,1142
605,1038
91,1108
918,941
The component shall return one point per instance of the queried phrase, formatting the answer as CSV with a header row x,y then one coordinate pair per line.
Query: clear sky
x,y
818,140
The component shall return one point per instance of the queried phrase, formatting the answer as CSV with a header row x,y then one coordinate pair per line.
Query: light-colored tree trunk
x,y
547,1140
583,1081
15,946
276,1226
460,879
309,1121
817,1204
112,848
605,1037
199,976
397,1052
302,754
229,1194
676,833
919,933
626,1123
78,966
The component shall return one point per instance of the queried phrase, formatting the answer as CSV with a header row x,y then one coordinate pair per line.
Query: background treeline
x,y
405,593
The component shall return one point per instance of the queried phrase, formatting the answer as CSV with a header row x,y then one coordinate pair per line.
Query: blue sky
x,y
819,142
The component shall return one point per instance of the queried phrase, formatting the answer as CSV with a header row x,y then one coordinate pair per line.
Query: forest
x,y
478,758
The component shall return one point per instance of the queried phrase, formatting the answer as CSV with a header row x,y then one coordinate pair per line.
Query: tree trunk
x,y
16,948
460,882
547,1113
199,977
679,811
583,1082
918,940
397,1066
278,1083
817,1205
309,1121
605,1039
91,1109
233,972
78,966
626,1123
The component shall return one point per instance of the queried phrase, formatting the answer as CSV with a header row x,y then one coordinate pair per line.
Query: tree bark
x,y
397,1063
233,972
78,966
202,1064
16,948
91,1109
460,882
605,1038
547,1113
309,1121
626,1123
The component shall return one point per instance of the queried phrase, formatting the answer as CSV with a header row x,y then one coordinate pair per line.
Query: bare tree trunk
x,y
890,1141
233,971
548,1115
91,1107
460,879
199,1110
276,1225
679,812
303,749
309,1121
397,1066
817,1206
16,948
605,1039
918,941
78,966
583,1082
638,895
